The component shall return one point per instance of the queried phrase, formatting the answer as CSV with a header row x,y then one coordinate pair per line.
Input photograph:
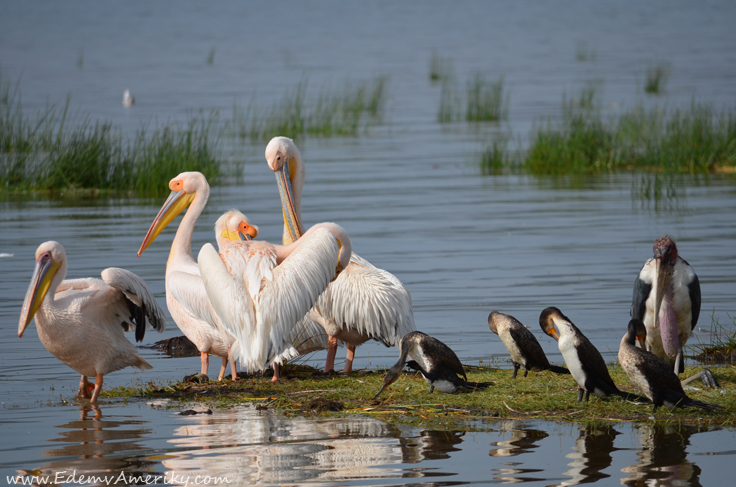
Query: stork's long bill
x,y
283,179
44,273
664,263
174,204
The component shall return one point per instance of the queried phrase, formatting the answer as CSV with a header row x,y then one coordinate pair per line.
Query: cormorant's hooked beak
x,y
283,180
44,273
174,204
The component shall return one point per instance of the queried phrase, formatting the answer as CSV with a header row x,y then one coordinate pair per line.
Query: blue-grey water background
x,y
410,193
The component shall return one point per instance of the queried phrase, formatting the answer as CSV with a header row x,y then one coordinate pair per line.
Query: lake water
x,y
412,197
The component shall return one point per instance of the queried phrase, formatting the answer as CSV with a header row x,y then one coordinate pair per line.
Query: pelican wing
x,y
189,291
308,336
297,283
370,300
259,302
141,302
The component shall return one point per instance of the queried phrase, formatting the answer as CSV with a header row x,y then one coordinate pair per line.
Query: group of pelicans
x,y
262,304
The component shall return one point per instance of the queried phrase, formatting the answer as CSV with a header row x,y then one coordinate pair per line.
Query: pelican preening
x,y
261,290
364,302
651,375
437,363
82,321
583,360
523,347
186,296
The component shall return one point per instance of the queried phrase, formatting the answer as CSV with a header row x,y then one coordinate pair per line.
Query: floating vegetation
x,y
584,54
483,101
692,140
440,68
334,112
50,150
657,76
541,395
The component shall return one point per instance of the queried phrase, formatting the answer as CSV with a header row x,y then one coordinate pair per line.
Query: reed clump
x,y
483,101
333,112
693,140
656,78
53,150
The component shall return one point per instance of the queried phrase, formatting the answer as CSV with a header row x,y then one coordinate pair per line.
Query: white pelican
x,y
364,302
261,290
185,294
82,321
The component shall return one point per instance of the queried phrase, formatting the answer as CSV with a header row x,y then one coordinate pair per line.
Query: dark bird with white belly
x,y
436,361
582,358
523,347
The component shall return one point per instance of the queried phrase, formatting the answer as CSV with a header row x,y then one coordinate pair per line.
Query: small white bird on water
x,y
128,99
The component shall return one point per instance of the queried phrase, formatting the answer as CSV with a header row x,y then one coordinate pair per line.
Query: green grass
x,y
486,100
342,111
483,100
55,151
541,395
656,78
692,140
723,347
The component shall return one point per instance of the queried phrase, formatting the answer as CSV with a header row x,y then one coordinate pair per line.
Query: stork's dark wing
x,y
694,288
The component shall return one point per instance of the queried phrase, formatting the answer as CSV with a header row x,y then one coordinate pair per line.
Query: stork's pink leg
x,y
98,388
331,353
349,359
276,372
205,357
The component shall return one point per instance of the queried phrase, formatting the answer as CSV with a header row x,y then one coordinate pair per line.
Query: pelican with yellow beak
x,y
186,296
262,290
364,302
82,321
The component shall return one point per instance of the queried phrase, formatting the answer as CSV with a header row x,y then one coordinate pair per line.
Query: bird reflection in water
x,y
522,440
663,456
95,446
250,447
591,454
